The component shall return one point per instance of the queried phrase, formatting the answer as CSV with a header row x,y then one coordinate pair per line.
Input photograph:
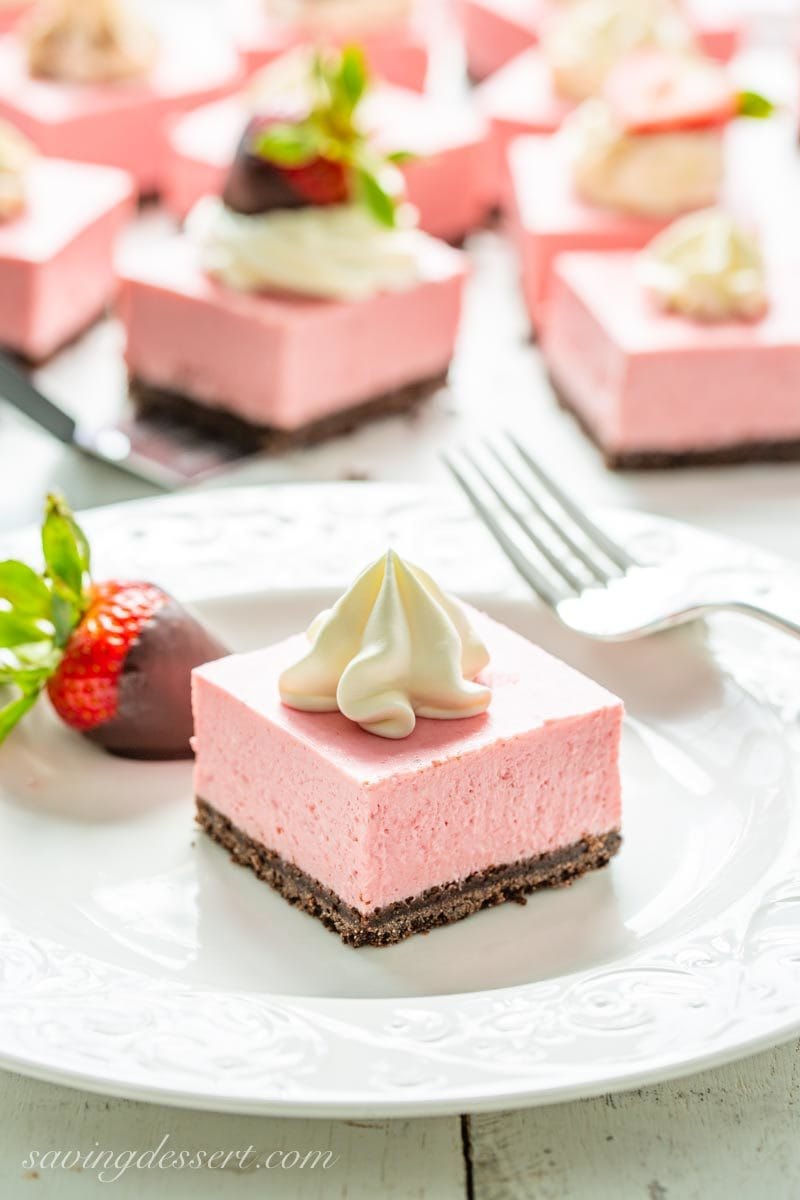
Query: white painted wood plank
x,y
380,1160
733,1132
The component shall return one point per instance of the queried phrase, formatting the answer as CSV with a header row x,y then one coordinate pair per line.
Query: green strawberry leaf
x,y
376,198
753,104
16,710
20,631
288,145
66,552
25,591
353,76
399,157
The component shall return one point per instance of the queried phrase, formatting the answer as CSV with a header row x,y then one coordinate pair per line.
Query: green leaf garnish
x,y
289,145
39,612
376,198
753,104
24,590
353,75
66,552
331,131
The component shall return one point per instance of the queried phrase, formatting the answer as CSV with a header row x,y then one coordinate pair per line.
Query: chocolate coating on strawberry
x,y
115,657
255,185
317,153
153,717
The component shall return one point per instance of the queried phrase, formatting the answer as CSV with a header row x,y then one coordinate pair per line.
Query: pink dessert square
x,y
280,361
119,125
384,838
548,219
399,54
658,389
445,182
56,257
495,31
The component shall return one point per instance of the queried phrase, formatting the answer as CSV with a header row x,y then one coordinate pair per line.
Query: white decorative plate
x,y
136,960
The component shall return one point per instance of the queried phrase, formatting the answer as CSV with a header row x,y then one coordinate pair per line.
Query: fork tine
x,y
534,578
599,572
558,566
601,540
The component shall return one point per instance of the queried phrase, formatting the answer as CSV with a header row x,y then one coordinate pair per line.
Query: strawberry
x,y
658,91
314,156
115,657
320,181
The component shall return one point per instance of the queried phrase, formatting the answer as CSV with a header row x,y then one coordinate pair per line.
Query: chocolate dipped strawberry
x,y
115,657
314,153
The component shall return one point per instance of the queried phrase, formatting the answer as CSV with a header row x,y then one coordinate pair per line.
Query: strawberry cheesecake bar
x,y
302,300
59,222
406,763
495,31
687,353
87,80
393,33
445,170
624,165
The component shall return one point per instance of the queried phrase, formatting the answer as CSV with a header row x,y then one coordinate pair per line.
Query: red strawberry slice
x,y
655,91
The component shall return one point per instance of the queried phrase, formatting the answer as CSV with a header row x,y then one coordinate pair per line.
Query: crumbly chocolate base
x,y
152,402
437,906
661,460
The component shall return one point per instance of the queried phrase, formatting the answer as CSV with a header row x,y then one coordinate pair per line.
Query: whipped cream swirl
x,y
89,41
335,252
650,175
585,40
706,267
16,155
393,648
341,16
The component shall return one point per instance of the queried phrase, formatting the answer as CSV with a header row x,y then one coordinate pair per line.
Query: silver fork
x,y
593,583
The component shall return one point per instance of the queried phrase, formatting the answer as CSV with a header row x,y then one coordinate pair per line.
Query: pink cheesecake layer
x,y
445,182
643,379
379,821
118,125
547,218
56,258
495,31
399,54
284,360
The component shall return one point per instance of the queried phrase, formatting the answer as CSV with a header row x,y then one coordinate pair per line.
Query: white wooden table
x,y
729,1132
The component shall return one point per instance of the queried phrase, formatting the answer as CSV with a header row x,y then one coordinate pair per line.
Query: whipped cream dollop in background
x,y
16,155
651,175
89,41
341,16
585,39
393,648
334,252
706,267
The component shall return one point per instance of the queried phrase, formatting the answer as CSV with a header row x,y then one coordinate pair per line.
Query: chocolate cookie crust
x,y
437,906
156,403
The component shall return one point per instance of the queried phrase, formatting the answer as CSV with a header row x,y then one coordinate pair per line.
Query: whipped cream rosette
x,y
707,267
393,648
